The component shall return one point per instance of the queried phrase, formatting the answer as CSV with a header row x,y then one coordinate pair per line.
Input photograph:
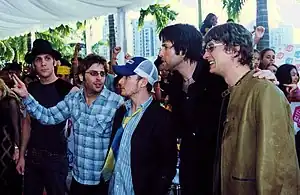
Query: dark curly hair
x,y
185,38
232,35
91,59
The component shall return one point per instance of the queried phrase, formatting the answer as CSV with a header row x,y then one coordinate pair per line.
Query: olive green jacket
x,y
258,154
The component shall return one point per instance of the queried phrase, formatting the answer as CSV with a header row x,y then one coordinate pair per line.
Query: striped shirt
x,y
121,182
92,127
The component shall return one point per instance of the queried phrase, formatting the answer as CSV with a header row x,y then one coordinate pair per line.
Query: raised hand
x,y
77,47
117,50
259,31
290,88
128,56
19,87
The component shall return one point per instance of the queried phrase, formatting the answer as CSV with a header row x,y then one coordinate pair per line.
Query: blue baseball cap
x,y
138,66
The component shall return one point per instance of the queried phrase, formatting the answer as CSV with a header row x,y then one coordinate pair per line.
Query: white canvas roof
x,y
23,16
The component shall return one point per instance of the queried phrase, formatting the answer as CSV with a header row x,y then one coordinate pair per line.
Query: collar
x,y
243,79
143,105
104,93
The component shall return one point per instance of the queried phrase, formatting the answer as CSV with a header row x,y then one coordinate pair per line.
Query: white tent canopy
x,y
23,16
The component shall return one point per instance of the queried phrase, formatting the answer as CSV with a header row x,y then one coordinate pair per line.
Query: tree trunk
x,y
29,42
112,34
199,13
262,20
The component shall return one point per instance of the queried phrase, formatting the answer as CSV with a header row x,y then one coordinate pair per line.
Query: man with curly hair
x,y
257,153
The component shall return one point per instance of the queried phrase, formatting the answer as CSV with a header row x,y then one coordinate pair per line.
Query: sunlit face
x,y
131,85
256,60
44,65
272,68
169,57
268,58
218,59
294,76
95,78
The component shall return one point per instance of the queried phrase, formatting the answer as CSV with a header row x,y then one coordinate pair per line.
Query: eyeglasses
x,y
211,46
96,73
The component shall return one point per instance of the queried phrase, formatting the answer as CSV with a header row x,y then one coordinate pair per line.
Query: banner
x,y
288,54
295,106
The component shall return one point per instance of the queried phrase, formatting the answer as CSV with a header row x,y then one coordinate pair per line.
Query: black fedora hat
x,y
41,46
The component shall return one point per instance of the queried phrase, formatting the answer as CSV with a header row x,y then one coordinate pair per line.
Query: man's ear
x,y
236,51
143,82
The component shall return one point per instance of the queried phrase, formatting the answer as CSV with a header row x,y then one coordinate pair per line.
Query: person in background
x,y
273,68
257,153
267,57
109,81
288,78
210,21
64,70
10,129
256,59
117,85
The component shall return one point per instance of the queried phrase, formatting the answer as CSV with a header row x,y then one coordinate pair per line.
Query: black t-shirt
x,y
48,137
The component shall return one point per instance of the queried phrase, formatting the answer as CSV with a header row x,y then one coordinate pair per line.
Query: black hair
x,y
208,18
88,61
230,20
91,59
185,39
158,62
264,51
232,34
283,76
65,62
261,56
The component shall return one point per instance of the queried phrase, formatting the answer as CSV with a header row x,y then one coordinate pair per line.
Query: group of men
x,y
236,130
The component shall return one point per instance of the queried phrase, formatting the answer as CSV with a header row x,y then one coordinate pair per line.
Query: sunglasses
x,y
211,46
96,73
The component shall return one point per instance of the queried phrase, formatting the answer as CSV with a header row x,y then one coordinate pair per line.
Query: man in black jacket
x,y
195,96
143,137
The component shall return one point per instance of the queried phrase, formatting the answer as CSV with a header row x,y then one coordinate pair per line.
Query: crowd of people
x,y
209,97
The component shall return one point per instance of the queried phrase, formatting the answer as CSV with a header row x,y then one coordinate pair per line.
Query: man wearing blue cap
x,y
142,156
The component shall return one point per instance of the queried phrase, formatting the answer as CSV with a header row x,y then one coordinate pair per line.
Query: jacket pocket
x,y
243,179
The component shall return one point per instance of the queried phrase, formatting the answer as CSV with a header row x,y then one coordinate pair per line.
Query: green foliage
x,y
233,7
13,49
162,14
97,46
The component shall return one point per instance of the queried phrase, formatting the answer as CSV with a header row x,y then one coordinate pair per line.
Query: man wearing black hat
x,y
46,162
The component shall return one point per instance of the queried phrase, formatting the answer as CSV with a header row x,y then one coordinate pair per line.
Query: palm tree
x,y
199,13
234,7
111,34
262,20
163,15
